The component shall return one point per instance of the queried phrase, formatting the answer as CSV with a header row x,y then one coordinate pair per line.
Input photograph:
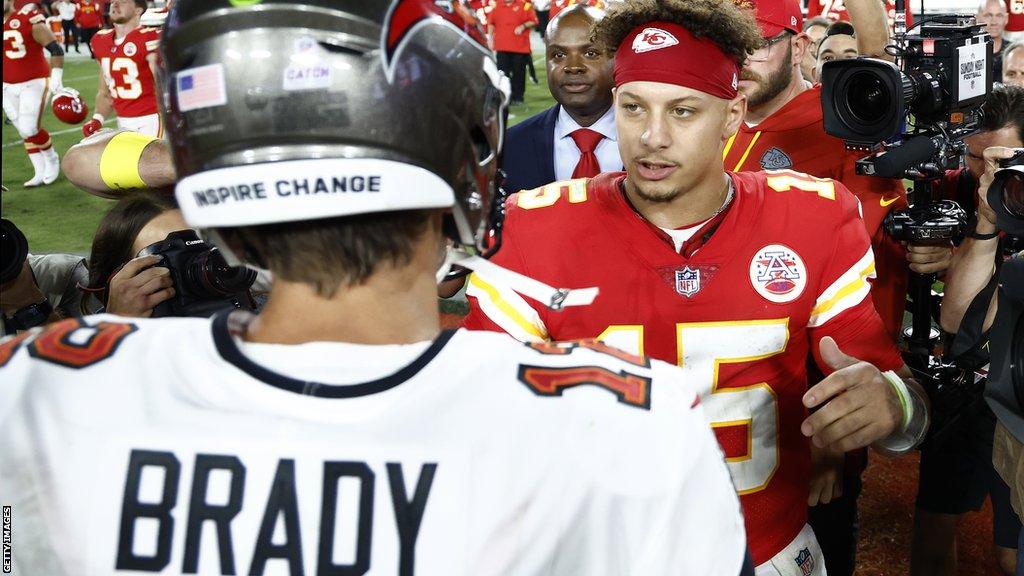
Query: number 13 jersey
x,y
786,264
125,69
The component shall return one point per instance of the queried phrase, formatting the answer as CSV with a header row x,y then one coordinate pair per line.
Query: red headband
x,y
668,53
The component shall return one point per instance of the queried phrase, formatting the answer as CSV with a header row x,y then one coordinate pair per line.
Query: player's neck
x,y
395,305
122,30
387,309
757,114
694,205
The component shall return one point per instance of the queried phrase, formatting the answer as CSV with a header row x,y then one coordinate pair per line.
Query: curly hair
x,y
732,28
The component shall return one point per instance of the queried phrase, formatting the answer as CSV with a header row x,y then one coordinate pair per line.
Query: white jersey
x,y
173,446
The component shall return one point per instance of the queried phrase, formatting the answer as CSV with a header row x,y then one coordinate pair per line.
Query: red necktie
x,y
586,140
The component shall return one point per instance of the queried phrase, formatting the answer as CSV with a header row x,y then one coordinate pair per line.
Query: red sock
x,y
41,141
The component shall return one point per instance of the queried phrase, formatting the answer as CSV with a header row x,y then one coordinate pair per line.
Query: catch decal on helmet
x,y
406,17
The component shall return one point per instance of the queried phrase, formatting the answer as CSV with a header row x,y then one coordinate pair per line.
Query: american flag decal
x,y
201,87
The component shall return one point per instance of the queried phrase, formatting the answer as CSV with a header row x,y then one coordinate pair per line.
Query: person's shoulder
x,y
535,122
103,34
565,202
801,194
31,14
74,348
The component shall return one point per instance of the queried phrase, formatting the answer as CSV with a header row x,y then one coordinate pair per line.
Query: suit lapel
x,y
546,144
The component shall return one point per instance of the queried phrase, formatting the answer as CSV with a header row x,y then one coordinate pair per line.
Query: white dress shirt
x,y
567,154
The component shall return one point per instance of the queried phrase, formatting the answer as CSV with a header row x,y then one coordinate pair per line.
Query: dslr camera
x,y
204,283
1006,195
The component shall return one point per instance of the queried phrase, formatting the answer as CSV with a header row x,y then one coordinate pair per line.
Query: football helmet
x,y
69,107
282,111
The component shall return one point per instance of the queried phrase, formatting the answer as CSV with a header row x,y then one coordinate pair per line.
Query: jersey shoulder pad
x,y
809,196
102,33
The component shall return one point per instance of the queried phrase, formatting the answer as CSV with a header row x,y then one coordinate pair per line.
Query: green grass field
x,y
61,218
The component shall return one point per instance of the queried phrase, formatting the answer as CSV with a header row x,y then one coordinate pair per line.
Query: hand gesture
x,y
856,404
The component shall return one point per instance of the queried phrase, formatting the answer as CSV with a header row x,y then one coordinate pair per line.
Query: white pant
x,y
24,103
801,557
149,125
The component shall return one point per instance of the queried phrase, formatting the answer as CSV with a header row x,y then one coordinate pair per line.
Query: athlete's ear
x,y
735,112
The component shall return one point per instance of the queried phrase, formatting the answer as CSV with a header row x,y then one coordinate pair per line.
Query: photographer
x,y
35,289
956,475
121,282
975,266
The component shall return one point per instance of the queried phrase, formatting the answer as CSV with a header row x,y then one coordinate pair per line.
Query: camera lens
x,y
13,250
211,276
1013,195
867,98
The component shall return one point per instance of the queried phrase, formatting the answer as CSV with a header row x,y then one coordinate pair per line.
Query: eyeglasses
x,y
763,53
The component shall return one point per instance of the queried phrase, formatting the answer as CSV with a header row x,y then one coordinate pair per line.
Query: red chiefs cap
x,y
774,16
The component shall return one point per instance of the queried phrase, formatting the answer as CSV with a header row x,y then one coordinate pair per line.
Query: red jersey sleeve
x,y
498,308
843,308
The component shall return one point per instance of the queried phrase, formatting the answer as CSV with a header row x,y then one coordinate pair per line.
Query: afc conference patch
x,y
778,273
805,561
687,281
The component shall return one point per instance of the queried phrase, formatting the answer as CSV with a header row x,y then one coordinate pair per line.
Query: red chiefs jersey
x,y
794,138
836,10
787,265
505,18
126,70
88,15
559,5
23,56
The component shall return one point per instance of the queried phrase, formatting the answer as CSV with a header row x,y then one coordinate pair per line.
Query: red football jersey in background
x,y
836,10
794,137
23,56
124,67
88,15
506,17
1015,15
787,265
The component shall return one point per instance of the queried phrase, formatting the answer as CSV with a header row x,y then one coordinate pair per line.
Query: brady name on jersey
x,y
189,456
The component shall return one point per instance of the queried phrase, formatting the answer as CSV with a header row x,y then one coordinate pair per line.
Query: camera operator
x,y
956,475
970,277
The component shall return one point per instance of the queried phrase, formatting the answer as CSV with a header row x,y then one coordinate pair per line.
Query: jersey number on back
x,y
17,46
75,344
126,85
745,417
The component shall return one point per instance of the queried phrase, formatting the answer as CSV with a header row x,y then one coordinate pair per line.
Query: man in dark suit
x,y
576,137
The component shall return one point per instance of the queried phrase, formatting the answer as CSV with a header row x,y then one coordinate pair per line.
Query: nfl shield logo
x,y
687,281
805,561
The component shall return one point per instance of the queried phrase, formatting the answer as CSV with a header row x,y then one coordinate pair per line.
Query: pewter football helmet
x,y
282,111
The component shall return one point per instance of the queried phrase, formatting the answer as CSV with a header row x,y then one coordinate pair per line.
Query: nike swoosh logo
x,y
883,202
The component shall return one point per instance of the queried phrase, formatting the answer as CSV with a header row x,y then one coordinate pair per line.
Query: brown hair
x,y
331,253
732,28
112,243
